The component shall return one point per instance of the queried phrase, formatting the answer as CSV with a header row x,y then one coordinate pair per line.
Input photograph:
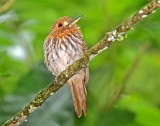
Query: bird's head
x,y
65,25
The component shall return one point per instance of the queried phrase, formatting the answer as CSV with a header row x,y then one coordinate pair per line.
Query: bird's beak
x,y
74,21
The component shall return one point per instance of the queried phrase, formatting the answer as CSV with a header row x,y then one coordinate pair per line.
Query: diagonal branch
x,y
117,34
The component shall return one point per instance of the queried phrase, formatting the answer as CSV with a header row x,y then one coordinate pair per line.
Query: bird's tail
x,y
79,95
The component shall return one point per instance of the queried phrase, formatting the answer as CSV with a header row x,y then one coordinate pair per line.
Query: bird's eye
x,y
60,25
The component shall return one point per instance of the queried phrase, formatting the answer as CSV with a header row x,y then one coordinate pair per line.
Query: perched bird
x,y
62,47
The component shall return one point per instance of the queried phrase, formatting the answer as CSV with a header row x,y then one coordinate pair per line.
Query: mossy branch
x,y
117,34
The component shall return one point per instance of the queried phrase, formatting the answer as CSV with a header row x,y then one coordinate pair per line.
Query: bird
x,y
62,47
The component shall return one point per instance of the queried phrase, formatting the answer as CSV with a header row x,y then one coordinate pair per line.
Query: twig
x,y
6,6
105,42
121,86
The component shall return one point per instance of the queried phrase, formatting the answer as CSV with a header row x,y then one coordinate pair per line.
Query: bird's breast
x,y
62,52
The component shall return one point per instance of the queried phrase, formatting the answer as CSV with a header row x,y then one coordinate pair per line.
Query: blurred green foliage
x,y
124,84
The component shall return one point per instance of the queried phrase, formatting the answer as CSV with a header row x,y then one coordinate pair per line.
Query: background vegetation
x,y
124,84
